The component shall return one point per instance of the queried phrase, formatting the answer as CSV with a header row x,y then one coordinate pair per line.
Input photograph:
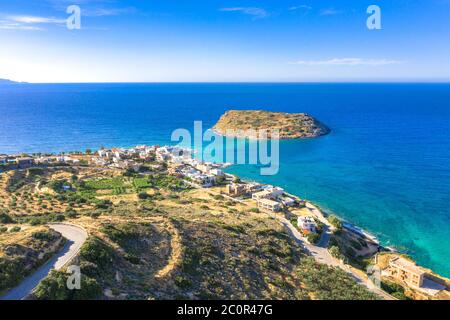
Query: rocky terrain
x,y
153,237
289,125
23,249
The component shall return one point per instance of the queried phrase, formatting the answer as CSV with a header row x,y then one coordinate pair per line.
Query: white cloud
x,y
28,22
36,20
100,12
8,25
330,12
252,11
347,62
300,7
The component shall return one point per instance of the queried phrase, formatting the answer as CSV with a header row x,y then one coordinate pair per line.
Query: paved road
x,y
76,236
321,254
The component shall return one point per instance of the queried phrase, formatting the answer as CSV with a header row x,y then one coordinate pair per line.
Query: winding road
x,y
321,254
75,236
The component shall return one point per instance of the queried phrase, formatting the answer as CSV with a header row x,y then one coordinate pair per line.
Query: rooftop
x,y
268,202
406,265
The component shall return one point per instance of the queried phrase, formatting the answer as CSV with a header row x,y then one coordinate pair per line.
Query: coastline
x,y
325,213
252,138
171,154
283,125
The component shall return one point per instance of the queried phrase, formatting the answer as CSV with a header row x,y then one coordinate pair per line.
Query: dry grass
x,y
290,125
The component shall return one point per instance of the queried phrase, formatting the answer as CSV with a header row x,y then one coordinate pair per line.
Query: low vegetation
x,y
23,252
290,125
153,237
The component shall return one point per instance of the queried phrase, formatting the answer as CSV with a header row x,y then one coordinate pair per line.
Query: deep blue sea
x,y
384,167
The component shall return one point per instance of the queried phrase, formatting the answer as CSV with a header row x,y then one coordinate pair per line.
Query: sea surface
x,y
385,166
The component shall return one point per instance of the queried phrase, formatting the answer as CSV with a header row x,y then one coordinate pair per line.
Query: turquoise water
x,y
384,167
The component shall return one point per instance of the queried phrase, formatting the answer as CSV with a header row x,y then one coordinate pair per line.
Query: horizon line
x,y
443,81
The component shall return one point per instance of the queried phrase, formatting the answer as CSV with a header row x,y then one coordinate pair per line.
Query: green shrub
x,y
43,236
54,287
336,252
132,258
15,229
103,204
328,283
394,289
182,282
143,195
71,214
313,237
95,214
335,221
96,251
11,273
5,218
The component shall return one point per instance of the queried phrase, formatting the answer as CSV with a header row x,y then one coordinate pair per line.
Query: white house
x,y
269,192
268,204
205,180
307,223
288,202
260,195
275,191
216,172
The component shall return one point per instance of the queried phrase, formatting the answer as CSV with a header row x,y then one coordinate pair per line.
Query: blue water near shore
x,y
385,167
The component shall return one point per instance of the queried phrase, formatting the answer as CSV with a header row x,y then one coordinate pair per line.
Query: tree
x,y
335,221
143,195
5,219
54,287
313,237
335,252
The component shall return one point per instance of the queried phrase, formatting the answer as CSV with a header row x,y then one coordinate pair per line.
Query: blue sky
x,y
224,40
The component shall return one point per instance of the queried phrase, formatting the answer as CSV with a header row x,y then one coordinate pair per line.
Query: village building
x,y
24,162
307,224
205,180
203,167
217,172
268,204
260,195
236,189
275,191
406,271
252,187
269,192
287,201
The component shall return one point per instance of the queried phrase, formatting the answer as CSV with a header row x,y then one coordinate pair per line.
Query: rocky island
x,y
290,125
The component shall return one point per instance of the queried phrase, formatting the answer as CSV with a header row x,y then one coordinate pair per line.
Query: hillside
x,y
7,81
152,237
290,125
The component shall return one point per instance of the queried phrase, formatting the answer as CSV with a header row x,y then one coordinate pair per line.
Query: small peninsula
x,y
7,81
290,125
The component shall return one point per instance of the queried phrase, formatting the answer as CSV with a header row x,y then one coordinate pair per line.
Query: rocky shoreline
x,y
253,123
